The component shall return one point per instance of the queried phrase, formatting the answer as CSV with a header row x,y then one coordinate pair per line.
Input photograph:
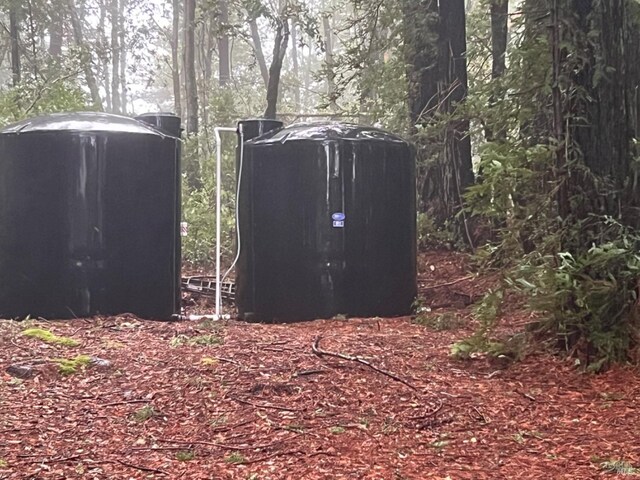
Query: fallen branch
x,y
448,284
430,414
315,347
266,406
302,373
141,468
269,457
224,446
58,460
124,402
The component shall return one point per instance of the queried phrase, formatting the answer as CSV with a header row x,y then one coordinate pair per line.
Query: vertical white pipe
x,y
217,131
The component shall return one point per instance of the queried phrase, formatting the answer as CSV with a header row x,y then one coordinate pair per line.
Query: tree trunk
x,y
14,32
604,115
190,67
279,51
457,172
224,63
86,55
421,36
295,67
122,34
328,61
114,10
56,33
499,33
435,41
257,48
175,59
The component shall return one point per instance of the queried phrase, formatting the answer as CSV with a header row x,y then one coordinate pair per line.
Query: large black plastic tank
x,y
89,218
327,224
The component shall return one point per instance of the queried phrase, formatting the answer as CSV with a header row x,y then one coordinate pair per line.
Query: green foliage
x,y
430,236
69,366
48,337
336,430
199,340
199,201
488,314
590,298
31,98
185,456
620,467
3,463
235,458
144,414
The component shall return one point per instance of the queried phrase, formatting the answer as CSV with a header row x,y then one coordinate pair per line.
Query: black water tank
x,y
327,224
89,218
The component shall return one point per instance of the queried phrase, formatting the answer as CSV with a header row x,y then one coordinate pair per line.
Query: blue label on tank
x,y
338,216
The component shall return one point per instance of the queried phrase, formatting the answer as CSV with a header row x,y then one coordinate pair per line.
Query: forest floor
x,y
248,401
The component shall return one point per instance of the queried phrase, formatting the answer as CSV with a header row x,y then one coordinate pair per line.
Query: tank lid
x,y
321,131
81,122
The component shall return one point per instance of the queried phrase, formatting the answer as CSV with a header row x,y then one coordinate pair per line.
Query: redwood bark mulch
x,y
248,401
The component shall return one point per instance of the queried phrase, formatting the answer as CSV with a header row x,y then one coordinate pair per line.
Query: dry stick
x,y
59,460
448,284
268,457
141,468
124,402
226,447
269,407
315,347
428,415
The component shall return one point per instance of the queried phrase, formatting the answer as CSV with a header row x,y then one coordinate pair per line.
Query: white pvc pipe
x,y
217,131
197,318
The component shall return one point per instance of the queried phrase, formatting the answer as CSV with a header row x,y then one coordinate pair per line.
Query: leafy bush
x,y
590,299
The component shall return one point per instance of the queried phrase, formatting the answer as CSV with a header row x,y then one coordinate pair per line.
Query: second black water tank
x,y
327,224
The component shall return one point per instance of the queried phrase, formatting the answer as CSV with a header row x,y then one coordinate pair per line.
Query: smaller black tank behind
x,y
326,223
89,217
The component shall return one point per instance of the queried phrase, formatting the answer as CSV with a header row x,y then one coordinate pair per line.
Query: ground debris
x,y
262,405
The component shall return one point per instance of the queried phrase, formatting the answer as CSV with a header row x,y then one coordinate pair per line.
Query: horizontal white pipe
x,y
196,318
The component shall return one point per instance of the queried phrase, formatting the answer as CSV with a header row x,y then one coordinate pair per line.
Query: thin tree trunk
x,y
558,117
175,59
103,48
122,34
279,52
115,57
328,60
190,67
14,32
257,48
295,67
224,64
86,60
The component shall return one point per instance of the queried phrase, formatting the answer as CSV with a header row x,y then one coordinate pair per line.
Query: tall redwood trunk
x,y
190,66
114,10
175,59
14,33
224,61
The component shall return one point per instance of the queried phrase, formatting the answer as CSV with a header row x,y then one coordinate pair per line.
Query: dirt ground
x,y
247,401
